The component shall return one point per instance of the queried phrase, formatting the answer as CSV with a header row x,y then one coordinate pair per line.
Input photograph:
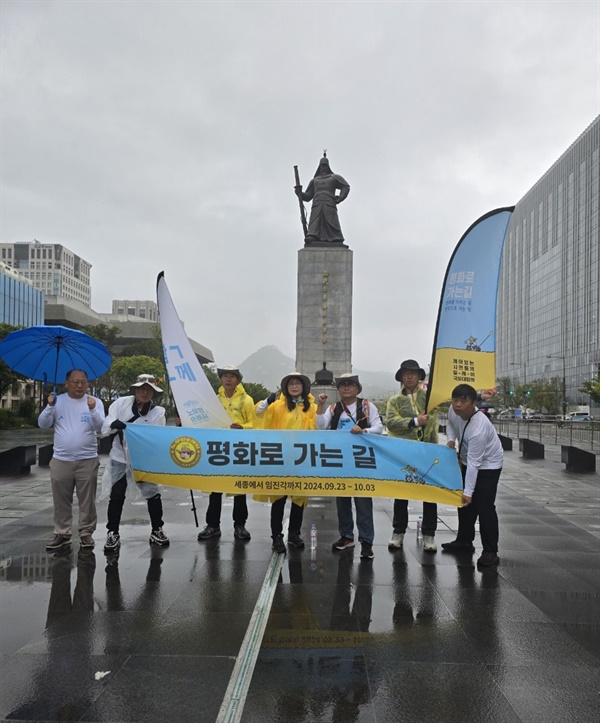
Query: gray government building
x,y
548,318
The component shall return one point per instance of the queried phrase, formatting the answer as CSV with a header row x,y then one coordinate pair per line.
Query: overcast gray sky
x,y
150,136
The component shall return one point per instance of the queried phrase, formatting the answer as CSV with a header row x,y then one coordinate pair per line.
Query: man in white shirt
x,y
481,458
357,416
76,417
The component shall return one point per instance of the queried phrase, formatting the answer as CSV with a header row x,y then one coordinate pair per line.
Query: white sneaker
x,y
397,540
429,543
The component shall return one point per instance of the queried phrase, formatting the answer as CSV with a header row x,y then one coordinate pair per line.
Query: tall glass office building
x,y
548,320
21,304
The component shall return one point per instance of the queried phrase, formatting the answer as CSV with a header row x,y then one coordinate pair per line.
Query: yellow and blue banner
x,y
464,348
300,463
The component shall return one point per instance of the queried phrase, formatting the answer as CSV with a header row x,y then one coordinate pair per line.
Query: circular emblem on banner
x,y
185,451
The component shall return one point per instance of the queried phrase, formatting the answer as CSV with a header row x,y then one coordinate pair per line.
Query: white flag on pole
x,y
196,401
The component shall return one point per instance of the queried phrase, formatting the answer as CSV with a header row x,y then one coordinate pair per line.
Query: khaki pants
x,y
82,477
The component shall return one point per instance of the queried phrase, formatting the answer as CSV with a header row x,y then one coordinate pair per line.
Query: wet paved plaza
x,y
154,634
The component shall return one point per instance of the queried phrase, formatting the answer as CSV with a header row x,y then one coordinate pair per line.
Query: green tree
x,y
546,395
125,370
7,376
257,391
505,397
592,389
147,347
104,386
211,374
108,335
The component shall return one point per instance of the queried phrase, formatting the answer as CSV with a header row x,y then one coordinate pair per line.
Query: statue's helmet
x,y
324,167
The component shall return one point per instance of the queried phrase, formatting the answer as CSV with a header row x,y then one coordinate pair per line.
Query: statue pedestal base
x,y
324,321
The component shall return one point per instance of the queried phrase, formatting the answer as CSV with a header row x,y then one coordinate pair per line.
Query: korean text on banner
x,y
277,462
465,337
197,403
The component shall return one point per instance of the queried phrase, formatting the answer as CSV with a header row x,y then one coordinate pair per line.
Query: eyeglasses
x,y
78,382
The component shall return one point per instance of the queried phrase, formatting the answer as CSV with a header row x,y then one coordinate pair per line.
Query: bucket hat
x,y
409,365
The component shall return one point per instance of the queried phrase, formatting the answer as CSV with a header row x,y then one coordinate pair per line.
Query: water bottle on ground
x,y
420,527
313,536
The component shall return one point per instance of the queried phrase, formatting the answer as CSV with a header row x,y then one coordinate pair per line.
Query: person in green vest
x,y
406,418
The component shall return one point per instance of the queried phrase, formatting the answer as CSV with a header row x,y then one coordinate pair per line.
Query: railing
x,y
585,435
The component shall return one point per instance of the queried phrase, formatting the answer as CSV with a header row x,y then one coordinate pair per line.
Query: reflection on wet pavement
x,y
153,633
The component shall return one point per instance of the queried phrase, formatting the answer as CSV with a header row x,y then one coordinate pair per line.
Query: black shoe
x,y
366,551
343,543
456,546
209,532
279,545
295,540
489,559
239,532
158,537
113,542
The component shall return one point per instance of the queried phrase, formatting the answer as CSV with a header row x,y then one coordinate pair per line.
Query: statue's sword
x,y
297,188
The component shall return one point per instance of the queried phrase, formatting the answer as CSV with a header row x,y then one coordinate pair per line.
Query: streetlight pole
x,y
564,380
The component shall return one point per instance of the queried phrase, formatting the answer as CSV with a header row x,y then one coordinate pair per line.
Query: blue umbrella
x,y
47,353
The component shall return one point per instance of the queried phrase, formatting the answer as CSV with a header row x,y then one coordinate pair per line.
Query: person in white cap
x,y
137,408
240,407
358,416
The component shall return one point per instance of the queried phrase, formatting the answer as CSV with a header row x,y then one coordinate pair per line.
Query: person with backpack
x,y
357,416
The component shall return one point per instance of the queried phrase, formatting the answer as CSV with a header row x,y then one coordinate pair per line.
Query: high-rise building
x,y
142,309
51,268
548,319
20,303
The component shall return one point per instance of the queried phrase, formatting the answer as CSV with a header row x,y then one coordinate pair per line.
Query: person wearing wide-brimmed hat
x,y
136,408
358,416
293,408
240,407
406,418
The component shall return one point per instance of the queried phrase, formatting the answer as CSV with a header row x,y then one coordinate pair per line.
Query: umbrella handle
x,y
45,382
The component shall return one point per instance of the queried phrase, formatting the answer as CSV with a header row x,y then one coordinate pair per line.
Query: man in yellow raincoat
x,y
240,407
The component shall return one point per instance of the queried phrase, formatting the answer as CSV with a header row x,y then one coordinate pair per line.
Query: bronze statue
x,y
324,224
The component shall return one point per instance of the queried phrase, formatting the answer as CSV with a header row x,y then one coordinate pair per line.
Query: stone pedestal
x,y
324,322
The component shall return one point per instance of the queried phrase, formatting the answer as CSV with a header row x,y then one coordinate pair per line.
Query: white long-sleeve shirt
x,y
347,422
480,448
122,409
75,426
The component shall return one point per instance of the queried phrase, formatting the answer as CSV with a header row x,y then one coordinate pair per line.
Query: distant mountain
x,y
269,365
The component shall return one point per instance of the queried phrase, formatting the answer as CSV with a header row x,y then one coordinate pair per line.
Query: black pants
x,y
115,507
296,515
213,513
429,525
483,505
